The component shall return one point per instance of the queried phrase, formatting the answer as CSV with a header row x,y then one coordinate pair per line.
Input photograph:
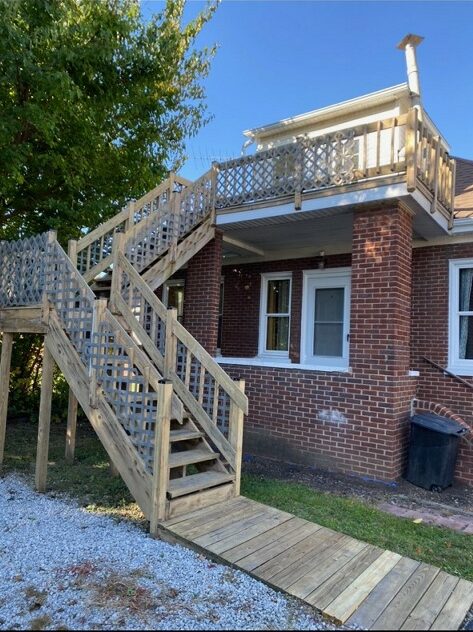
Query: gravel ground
x,y
64,568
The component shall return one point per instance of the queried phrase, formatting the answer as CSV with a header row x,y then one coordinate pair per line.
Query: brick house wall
x,y
430,339
355,422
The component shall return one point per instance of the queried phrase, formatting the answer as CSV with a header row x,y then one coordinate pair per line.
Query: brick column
x,y
202,293
380,327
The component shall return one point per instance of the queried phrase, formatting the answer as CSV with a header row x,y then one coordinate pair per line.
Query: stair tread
x,y
185,434
188,457
196,482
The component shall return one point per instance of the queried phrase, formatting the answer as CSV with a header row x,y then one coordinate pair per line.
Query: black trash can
x,y
433,451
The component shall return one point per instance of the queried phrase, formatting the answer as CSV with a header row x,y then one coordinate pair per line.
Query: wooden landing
x,y
347,580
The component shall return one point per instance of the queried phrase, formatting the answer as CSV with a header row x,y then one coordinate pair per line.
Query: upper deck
x,y
402,149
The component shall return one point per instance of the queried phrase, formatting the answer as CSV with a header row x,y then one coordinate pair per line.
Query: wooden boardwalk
x,y
347,580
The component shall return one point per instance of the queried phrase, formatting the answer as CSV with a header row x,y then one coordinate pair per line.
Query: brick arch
x,y
421,405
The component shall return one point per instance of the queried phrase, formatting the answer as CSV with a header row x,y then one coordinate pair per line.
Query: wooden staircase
x,y
169,417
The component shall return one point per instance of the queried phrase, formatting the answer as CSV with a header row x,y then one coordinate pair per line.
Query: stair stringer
x,y
116,442
171,262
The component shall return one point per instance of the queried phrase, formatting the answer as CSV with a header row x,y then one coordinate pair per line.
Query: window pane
x,y
278,296
466,295
176,299
466,338
277,333
329,304
328,339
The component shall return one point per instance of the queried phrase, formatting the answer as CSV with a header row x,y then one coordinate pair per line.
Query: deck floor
x,y
347,580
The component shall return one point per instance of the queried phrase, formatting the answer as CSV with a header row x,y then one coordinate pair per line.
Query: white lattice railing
x,y
93,253
23,266
402,145
206,391
122,373
187,209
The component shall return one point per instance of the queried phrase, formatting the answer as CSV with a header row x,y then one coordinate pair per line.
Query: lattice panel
x,y
98,250
73,300
307,164
126,389
151,241
196,203
23,266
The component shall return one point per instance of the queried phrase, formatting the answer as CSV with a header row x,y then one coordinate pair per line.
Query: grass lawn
x,y
89,480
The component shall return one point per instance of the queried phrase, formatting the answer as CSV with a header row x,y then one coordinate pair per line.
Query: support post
x,y
170,349
5,362
71,427
411,149
44,419
72,251
118,247
175,213
235,435
161,456
433,206
100,305
113,470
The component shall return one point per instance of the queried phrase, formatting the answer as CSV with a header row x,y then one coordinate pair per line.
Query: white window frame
x,y
171,283
262,351
455,363
327,278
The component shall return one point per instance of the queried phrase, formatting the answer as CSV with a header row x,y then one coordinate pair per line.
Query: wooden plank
x,y
290,556
383,594
456,608
44,421
401,606
197,527
326,565
5,363
226,529
353,596
328,542
432,602
201,499
184,435
22,320
189,457
267,540
196,482
411,149
161,457
262,524
336,584
207,512
71,427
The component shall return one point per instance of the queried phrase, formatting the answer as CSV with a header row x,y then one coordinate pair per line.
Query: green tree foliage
x,y
95,105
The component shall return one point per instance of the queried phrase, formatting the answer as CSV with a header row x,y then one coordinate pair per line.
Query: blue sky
x,y
278,58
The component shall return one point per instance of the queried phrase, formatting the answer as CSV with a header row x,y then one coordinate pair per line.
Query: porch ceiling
x,y
295,235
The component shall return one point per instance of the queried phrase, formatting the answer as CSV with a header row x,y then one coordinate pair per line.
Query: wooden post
x,y
411,150
161,457
5,362
44,419
298,171
71,427
213,187
118,247
130,221
175,204
433,206
72,250
170,349
113,470
235,435
100,305
453,176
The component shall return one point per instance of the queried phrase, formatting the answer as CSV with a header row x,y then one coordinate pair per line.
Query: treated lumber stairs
x,y
169,417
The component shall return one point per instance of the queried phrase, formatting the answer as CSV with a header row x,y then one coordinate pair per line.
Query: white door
x,y
326,316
